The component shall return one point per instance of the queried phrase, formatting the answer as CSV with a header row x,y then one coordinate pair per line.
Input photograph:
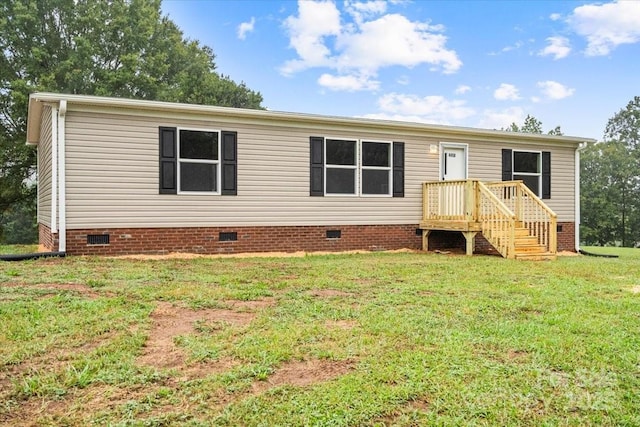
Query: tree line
x,y
127,48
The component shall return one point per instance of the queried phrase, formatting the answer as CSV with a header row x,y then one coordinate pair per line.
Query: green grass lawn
x,y
360,339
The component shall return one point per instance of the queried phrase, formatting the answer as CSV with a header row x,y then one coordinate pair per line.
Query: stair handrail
x,y
541,224
499,225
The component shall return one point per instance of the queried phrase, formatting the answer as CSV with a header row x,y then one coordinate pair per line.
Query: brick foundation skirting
x,y
211,240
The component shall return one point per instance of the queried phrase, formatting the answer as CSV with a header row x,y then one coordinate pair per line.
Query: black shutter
x,y
507,166
398,169
546,175
229,163
316,178
168,156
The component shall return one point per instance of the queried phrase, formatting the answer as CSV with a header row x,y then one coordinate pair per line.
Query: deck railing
x,y
531,212
500,207
449,200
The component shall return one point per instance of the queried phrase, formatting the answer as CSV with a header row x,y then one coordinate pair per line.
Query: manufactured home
x,y
121,176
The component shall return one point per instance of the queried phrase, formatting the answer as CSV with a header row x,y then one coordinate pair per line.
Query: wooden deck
x,y
513,219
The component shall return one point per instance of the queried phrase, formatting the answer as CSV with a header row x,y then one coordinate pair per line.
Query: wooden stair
x,y
528,248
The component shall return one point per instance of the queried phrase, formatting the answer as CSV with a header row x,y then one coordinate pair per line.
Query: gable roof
x,y
39,99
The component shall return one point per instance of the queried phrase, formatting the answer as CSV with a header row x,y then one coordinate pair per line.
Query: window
x,y
527,166
376,168
532,167
198,161
356,167
341,166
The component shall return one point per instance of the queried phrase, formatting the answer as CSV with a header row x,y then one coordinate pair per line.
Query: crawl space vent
x,y
97,239
228,236
334,234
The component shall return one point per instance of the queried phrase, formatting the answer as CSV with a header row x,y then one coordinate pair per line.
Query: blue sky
x,y
464,63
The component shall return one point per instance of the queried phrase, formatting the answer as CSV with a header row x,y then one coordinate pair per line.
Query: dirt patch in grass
x,y
170,321
635,289
298,254
304,373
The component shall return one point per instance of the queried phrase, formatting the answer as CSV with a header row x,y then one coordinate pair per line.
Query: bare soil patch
x,y
170,321
298,254
304,373
635,289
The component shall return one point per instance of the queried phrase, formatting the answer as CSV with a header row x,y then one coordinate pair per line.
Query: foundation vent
x,y
228,236
97,239
334,234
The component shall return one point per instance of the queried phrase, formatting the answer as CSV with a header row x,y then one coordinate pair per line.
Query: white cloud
x,y
428,109
373,40
607,26
246,27
394,40
501,119
555,90
506,92
555,16
462,89
558,47
349,83
315,21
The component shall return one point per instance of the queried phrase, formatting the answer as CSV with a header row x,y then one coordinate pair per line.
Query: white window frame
x,y
205,161
389,168
539,174
355,167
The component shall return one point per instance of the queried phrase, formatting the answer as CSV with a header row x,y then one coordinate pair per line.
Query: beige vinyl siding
x,y
112,175
44,168
485,163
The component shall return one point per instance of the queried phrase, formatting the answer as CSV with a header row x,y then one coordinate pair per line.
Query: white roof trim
x,y
37,99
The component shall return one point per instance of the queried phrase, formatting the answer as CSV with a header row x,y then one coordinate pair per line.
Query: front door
x,y
454,163
453,167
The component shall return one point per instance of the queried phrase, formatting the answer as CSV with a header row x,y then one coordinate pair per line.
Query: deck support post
x,y
425,240
470,236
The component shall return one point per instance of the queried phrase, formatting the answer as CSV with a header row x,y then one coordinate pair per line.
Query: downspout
x,y
62,210
54,169
581,147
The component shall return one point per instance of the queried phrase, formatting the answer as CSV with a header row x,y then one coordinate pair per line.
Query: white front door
x,y
453,167
454,163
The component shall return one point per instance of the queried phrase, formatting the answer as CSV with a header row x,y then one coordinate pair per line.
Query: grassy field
x,y
378,339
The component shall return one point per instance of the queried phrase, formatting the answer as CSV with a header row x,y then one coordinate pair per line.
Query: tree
x,y
625,127
609,205
611,182
532,125
122,48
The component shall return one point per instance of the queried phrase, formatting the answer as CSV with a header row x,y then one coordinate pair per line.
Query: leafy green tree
x,y
625,127
122,48
609,194
532,125
611,182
